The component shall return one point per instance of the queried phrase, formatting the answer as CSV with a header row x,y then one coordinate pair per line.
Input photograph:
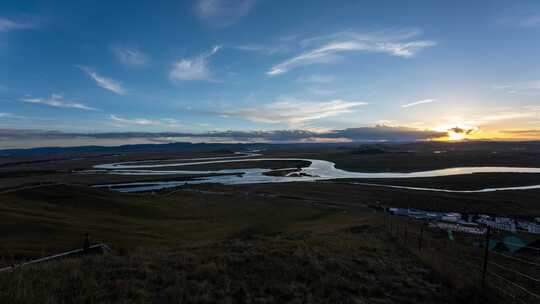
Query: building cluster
x,y
469,223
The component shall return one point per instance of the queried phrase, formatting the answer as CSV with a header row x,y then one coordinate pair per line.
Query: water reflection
x,y
318,170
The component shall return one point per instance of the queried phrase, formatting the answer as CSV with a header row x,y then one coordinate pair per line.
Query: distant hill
x,y
369,151
184,146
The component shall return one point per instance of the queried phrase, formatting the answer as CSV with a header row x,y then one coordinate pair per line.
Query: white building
x,y
533,228
451,217
507,225
460,226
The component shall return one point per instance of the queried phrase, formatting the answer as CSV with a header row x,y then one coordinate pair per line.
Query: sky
x,y
467,69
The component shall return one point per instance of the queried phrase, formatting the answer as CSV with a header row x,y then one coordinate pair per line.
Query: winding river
x,y
318,170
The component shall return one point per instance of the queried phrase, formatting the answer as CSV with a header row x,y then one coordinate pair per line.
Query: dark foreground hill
x,y
358,264
214,244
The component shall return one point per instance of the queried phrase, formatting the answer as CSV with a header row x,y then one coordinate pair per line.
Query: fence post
x,y
420,238
485,261
406,232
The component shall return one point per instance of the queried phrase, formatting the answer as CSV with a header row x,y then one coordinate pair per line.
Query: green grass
x,y
188,247
47,220
459,263
332,266
511,203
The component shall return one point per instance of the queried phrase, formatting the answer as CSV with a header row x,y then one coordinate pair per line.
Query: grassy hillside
x,y
344,262
289,243
42,221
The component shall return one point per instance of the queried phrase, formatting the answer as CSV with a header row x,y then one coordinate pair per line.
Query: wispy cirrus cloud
x,y
131,56
7,25
505,116
533,108
104,82
522,20
327,49
280,45
533,132
522,87
419,102
222,13
264,49
195,68
489,118
6,115
58,101
134,121
173,123
296,112
530,21
167,123
317,78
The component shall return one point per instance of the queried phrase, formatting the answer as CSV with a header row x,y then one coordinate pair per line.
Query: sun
x,y
457,131
455,136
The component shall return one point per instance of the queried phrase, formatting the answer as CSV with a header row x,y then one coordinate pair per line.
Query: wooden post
x,y
420,238
485,261
406,234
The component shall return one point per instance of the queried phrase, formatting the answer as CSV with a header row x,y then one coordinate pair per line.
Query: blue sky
x,y
215,65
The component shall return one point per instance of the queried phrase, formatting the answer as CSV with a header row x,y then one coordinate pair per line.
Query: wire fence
x,y
93,249
471,260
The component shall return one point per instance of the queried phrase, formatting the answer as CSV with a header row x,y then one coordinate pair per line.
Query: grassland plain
x,y
17,170
347,195
189,247
249,252
49,219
